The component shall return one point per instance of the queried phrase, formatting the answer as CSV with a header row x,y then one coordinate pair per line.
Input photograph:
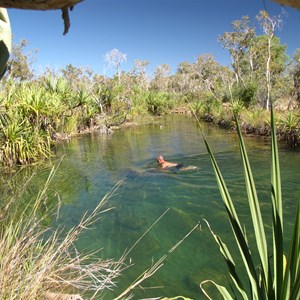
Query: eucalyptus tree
x,y
258,62
278,60
114,58
183,77
207,71
295,72
161,77
269,25
238,43
277,68
139,72
78,77
20,63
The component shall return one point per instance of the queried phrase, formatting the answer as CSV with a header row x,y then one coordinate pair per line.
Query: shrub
x,y
158,102
246,94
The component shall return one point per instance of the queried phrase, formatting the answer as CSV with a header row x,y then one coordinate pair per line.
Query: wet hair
x,y
159,158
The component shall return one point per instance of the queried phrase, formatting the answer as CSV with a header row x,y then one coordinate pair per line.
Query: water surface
x,y
94,164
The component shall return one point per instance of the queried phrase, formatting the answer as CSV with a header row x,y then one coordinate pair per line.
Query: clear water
x,y
93,164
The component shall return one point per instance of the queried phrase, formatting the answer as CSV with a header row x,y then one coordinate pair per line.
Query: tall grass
x,y
278,273
37,260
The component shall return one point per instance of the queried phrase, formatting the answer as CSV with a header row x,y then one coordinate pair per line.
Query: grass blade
x,y
236,227
277,212
257,221
223,291
230,263
291,283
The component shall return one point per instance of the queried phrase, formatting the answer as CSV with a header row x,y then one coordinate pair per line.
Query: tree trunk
x,y
297,86
268,72
38,4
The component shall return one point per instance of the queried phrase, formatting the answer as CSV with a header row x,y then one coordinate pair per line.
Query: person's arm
x,y
168,164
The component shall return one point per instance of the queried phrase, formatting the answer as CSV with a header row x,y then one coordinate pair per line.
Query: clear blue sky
x,y
160,31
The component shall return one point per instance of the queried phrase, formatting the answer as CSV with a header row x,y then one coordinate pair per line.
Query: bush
x,y
246,94
158,103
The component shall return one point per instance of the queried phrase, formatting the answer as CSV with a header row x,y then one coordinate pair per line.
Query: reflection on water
x,y
93,164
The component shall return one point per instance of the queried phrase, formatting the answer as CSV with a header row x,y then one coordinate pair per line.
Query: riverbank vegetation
x,y
38,110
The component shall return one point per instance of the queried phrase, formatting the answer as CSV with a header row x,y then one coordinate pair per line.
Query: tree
x,y
114,58
140,73
183,76
160,81
20,64
238,42
208,72
295,72
269,25
77,77
277,67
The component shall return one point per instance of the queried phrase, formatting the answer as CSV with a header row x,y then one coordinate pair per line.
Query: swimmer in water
x,y
167,165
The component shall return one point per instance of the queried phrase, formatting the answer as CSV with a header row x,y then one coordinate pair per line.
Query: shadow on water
x,y
93,164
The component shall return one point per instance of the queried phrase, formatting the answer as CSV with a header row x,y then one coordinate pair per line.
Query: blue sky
x,y
160,31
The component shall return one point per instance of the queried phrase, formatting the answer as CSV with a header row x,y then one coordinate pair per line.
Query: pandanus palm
x,y
21,143
278,276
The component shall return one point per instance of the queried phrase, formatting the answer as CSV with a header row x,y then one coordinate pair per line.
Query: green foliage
x,y
289,121
211,105
257,117
20,64
278,275
21,142
278,57
198,107
236,107
139,105
158,102
246,94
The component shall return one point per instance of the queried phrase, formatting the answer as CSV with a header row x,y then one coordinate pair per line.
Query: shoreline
x,y
290,138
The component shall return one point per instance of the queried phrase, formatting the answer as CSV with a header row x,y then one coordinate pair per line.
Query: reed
x,y
38,261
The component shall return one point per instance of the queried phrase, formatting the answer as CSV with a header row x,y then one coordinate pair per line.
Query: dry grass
x,y
37,261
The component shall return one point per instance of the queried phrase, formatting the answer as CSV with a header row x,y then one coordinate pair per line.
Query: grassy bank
x,y
255,122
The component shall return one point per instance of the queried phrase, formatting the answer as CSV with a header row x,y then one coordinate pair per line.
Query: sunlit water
x,y
93,164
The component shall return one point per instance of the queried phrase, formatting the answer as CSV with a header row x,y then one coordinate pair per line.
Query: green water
x,y
93,164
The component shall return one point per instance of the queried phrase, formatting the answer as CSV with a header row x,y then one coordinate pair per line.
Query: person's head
x,y
160,159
